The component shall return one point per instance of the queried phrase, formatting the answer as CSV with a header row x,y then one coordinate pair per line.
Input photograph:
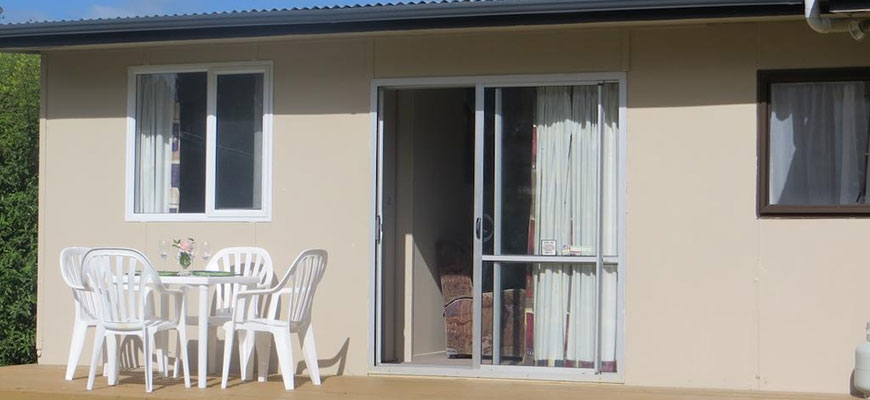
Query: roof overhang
x,y
849,6
355,19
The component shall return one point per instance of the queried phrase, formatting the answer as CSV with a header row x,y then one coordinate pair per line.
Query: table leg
x,y
162,340
202,360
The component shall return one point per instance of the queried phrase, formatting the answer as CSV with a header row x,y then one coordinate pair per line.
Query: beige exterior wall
x,y
715,297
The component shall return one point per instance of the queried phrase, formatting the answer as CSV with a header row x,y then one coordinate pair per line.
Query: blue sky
x,y
51,10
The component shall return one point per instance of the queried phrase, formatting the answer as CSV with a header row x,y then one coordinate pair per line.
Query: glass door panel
x,y
550,200
425,209
544,143
511,335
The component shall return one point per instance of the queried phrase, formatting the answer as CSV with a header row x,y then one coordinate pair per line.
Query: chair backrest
x,y
300,283
246,261
120,279
71,271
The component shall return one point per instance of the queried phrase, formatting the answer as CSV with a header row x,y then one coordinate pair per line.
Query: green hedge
x,y
19,140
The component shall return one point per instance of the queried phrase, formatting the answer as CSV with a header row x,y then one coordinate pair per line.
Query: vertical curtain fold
x,y
565,178
818,137
155,116
609,223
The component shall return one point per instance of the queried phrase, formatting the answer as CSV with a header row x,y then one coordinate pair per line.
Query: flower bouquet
x,y
186,253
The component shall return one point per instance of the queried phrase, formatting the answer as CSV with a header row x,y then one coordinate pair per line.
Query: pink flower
x,y
184,246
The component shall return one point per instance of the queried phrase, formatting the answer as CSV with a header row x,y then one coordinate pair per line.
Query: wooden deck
x,y
37,382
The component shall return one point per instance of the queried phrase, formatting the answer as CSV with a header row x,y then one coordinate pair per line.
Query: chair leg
x,y
110,370
309,351
148,349
240,337
285,357
161,358
264,353
229,331
246,353
99,337
80,329
182,339
107,367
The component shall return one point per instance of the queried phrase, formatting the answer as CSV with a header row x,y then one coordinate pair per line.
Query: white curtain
x,y
155,115
566,207
610,234
818,137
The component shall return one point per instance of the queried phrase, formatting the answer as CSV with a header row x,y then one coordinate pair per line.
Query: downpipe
x,y
856,27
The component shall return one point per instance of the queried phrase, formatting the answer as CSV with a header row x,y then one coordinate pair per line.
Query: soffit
x,y
415,15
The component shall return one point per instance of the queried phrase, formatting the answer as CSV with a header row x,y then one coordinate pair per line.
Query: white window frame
x,y
211,214
480,83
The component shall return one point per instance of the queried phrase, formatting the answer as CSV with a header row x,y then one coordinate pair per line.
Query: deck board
x,y
41,382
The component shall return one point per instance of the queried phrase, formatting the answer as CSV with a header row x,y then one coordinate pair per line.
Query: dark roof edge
x,y
378,18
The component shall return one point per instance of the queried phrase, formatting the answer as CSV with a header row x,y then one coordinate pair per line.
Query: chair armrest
x,y
255,292
245,295
79,288
173,292
289,291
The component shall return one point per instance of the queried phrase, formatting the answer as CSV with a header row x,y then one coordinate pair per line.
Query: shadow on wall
x,y
129,352
339,359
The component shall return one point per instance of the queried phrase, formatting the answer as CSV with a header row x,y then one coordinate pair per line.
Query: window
x,y
198,143
814,140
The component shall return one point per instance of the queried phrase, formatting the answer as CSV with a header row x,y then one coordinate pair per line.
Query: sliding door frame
x,y
480,84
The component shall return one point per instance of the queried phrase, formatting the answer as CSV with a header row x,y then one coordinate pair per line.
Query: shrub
x,y
19,140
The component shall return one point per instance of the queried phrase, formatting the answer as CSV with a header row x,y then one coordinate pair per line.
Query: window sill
x,y
845,211
260,217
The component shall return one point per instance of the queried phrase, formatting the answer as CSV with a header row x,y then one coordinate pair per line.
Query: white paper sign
x,y
548,247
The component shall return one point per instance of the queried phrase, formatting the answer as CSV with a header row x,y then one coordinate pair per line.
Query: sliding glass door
x,y
499,227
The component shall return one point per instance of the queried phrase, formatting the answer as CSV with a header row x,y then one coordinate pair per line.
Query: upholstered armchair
x,y
454,266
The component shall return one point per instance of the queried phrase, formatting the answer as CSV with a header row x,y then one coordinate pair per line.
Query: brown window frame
x,y
765,79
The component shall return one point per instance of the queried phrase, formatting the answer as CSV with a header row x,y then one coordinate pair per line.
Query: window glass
x,y
239,141
170,143
818,143
557,315
541,174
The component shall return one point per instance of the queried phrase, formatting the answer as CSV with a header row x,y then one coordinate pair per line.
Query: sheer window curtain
x,y
156,121
566,203
610,221
818,137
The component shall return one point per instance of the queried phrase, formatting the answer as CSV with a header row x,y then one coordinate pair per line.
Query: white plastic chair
x,y
246,261
298,285
86,310
123,283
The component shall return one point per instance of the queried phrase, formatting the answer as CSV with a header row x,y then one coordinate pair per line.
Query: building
x,y
663,192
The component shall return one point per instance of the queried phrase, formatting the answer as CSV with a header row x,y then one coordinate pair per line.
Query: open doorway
x,y
427,211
